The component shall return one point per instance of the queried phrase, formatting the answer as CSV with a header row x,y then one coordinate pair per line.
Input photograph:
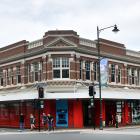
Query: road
x,y
116,134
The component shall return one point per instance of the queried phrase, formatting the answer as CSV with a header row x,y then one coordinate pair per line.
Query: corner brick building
x,y
65,65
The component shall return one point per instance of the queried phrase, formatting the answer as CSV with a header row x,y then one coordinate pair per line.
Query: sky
x,y
30,19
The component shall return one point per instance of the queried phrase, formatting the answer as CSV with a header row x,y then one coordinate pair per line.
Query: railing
x,y
87,42
35,44
133,53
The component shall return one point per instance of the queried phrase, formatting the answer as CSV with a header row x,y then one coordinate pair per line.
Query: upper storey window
x,y
95,70
1,77
36,71
113,73
132,76
81,66
61,67
87,68
119,75
18,74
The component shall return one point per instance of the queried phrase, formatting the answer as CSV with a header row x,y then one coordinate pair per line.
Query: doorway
x,y
61,113
110,107
87,114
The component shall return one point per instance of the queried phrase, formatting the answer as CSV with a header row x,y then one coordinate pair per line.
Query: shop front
x,y
71,110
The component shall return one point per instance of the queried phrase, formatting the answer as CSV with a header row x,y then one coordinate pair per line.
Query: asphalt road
x,y
85,135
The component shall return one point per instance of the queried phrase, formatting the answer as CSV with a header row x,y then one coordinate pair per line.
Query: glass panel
x,y
136,112
56,73
56,62
87,67
112,73
19,79
65,73
65,62
95,70
81,66
36,67
18,70
36,76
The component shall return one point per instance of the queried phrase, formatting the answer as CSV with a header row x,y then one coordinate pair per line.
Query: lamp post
x,y
115,29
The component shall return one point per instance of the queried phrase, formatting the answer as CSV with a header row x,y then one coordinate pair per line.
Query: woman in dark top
x,y
21,121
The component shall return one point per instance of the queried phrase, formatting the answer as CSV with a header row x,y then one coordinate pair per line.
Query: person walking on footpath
x,y
44,120
32,122
50,122
21,122
117,121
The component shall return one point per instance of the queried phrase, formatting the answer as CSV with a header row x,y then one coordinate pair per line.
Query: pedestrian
x,y
44,121
50,122
32,122
110,119
117,121
21,122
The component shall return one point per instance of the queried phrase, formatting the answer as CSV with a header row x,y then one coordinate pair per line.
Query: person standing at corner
x,y
32,122
21,122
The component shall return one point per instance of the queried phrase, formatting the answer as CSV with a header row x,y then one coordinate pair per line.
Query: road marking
x,y
110,132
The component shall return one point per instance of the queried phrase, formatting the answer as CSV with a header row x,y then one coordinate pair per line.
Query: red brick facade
x,y
26,63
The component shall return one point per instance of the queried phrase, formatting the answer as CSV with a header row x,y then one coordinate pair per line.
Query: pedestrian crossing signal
x,y
40,92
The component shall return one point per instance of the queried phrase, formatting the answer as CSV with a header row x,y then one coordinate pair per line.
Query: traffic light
x,y
91,90
40,92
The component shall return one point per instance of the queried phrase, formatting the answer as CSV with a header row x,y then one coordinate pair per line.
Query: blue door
x,y
61,113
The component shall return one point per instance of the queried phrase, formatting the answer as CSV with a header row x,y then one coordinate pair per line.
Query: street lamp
x,y
115,29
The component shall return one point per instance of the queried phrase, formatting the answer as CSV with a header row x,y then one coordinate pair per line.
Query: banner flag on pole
x,y
104,71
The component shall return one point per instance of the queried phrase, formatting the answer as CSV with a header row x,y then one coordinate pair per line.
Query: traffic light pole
x,y
39,115
93,110
92,104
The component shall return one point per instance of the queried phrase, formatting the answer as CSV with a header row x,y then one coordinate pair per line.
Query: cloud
x,y
29,19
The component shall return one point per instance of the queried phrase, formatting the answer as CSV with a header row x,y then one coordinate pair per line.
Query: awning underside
x,y
107,93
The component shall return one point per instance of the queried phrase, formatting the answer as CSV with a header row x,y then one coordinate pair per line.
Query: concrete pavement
x,y
129,130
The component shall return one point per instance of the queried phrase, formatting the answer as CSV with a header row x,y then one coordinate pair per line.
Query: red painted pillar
x,y
125,116
78,114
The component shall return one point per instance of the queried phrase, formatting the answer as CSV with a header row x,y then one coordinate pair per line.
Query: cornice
x,y
90,52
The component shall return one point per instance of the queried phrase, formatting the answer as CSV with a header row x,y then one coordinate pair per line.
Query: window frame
x,y
60,64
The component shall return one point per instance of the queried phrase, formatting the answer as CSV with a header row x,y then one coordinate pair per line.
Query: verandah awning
x,y
106,93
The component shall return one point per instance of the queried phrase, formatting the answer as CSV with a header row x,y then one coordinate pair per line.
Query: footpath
x,y
129,130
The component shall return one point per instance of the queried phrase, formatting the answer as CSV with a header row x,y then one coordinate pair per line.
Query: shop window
x,y
135,106
119,106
